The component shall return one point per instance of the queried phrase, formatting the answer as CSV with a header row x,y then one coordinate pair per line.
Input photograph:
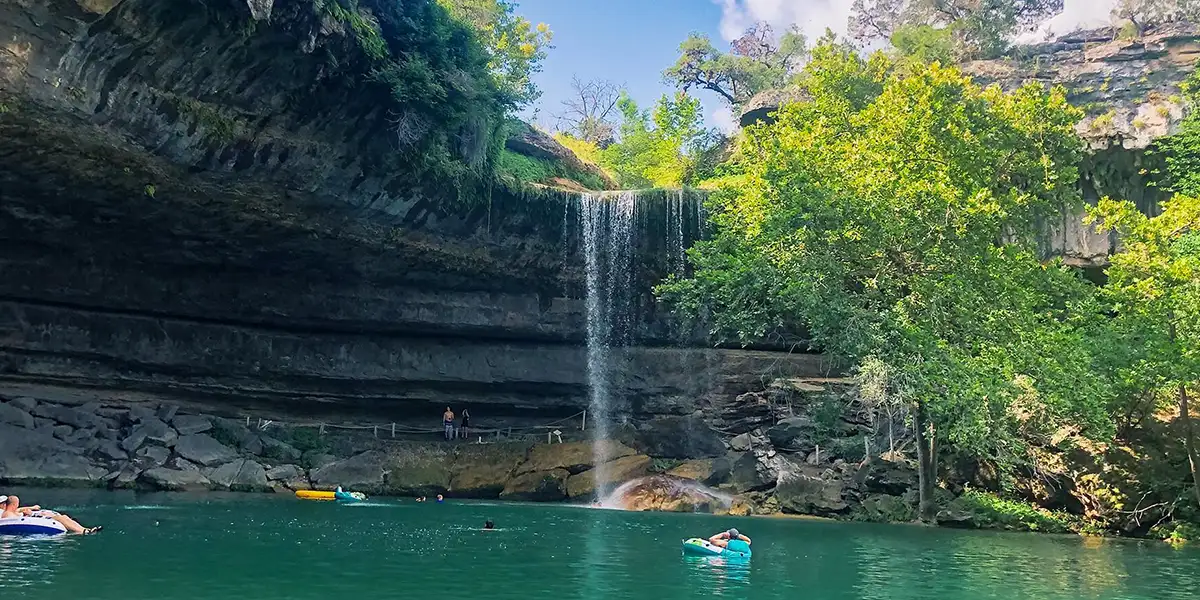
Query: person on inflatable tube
x,y
722,539
12,508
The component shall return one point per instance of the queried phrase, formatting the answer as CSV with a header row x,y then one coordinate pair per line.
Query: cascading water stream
x,y
609,246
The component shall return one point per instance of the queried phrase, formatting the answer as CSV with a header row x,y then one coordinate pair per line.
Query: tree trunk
x,y
1189,438
926,465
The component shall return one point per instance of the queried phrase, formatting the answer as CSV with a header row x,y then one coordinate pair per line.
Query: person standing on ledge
x,y
448,423
722,539
466,423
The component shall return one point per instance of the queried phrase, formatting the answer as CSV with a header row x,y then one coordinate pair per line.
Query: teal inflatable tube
x,y
703,547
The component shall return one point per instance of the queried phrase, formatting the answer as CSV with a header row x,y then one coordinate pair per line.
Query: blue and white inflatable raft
x,y
31,526
703,547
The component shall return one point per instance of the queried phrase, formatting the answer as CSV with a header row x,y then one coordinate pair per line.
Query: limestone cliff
x,y
195,208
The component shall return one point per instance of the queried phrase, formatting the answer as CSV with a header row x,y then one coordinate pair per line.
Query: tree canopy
x,y
980,28
756,61
872,218
516,47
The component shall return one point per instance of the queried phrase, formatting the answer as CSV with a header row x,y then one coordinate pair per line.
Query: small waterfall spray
x,y
609,247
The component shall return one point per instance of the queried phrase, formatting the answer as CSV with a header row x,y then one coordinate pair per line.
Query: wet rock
x,y
616,472
204,450
670,494
679,437
363,472
697,470
574,457
805,493
482,470
15,415
794,433
175,480
191,424
541,486
241,475
740,443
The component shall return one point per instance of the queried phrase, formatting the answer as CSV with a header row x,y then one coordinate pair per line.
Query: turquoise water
x,y
169,547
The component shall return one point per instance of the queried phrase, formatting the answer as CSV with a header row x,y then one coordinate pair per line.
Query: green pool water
x,y
168,547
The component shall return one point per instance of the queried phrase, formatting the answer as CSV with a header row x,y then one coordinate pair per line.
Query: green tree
x,y
1147,13
1154,289
981,28
659,148
516,47
871,218
756,62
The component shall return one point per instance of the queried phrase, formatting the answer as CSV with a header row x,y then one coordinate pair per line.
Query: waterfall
x,y
609,248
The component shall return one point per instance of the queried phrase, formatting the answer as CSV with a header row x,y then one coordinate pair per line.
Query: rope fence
x,y
552,431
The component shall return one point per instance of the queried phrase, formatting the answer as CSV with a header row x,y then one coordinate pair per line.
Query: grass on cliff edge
x,y
527,169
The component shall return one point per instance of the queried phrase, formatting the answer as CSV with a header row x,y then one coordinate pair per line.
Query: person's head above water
x,y
734,534
489,524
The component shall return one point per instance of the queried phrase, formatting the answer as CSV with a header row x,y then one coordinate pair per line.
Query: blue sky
x,y
626,42
631,42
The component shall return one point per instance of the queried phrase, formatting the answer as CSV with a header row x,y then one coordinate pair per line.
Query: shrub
x,y
992,511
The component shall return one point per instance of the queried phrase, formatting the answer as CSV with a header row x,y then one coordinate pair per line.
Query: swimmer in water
x,y
722,539
440,498
488,524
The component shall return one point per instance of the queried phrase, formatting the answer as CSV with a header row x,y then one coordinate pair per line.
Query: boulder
x,y
191,424
316,460
68,416
482,470
111,450
540,486
233,433
888,477
63,432
15,415
291,477
204,450
575,457
175,480
166,412
154,430
242,475
24,403
277,450
152,456
884,508
125,477
747,473
794,433
805,493
740,443
139,414
697,470
669,494
363,472
679,437
418,469
134,440
615,472
25,454
68,469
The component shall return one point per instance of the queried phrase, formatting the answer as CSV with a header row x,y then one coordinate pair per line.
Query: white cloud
x,y
814,16
723,119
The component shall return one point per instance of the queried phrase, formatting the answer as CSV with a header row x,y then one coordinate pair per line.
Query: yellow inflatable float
x,y
337,494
